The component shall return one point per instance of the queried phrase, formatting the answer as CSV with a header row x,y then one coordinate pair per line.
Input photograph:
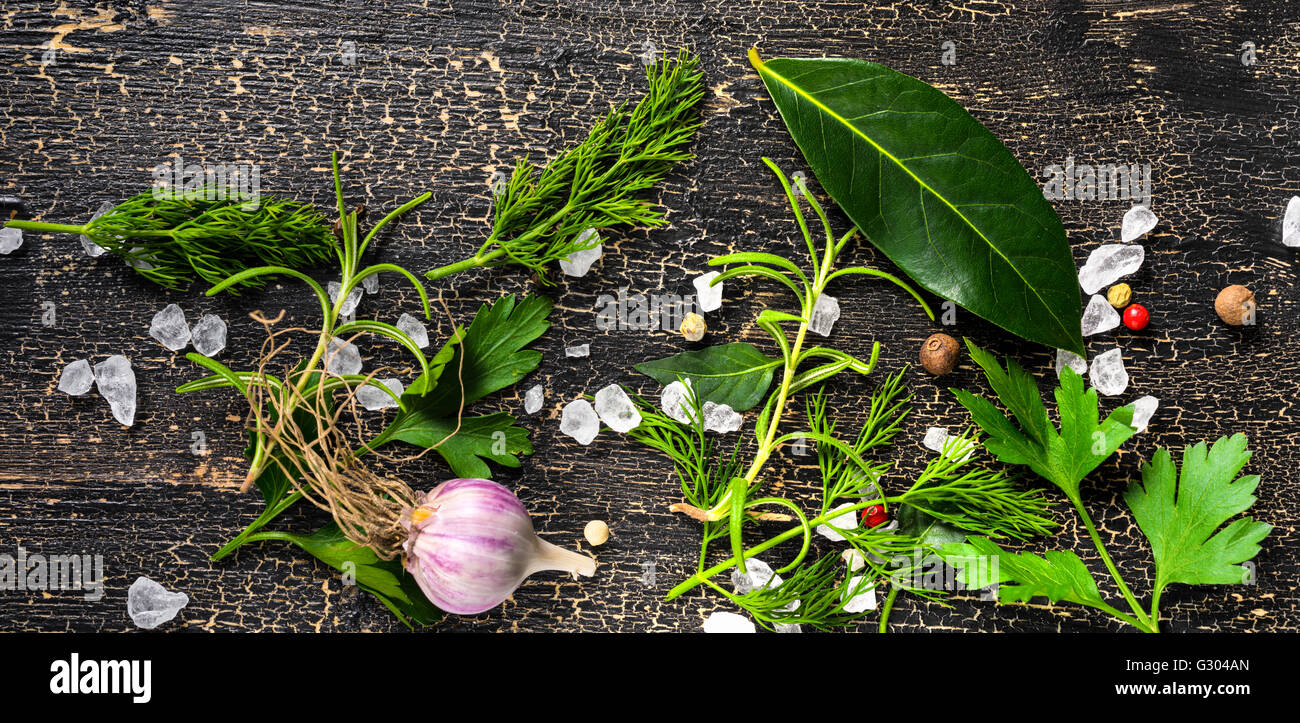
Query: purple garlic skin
x,y
471,543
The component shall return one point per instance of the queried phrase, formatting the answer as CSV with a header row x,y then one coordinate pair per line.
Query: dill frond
x,y
541,214
171,239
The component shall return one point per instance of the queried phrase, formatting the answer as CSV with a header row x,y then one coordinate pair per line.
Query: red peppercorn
x,y
874,516
1136,317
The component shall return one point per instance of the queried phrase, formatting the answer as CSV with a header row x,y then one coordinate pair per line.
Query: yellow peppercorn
x,y
1119,295
693,327
596,532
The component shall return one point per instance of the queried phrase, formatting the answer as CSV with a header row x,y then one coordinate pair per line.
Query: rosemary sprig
x,y
540,217
171,238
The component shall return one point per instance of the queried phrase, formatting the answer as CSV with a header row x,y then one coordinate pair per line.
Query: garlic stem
x,y
553,557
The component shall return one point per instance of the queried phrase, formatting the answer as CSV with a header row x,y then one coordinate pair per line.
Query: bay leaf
x,y
934,190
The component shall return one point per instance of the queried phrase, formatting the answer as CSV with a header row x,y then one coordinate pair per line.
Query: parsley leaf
x,y
1181,517
487,357
1181,514
493,437
1063,458
385,579
494,355
1057,576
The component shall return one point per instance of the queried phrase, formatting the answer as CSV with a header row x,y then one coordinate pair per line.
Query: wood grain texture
x,y
442,94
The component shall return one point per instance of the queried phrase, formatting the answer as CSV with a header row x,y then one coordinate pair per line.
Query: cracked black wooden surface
x,y
442,95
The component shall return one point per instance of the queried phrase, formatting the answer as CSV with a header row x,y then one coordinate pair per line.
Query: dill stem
x,y
73,228
699,577
47,227
791,369
480,259
887,608
765,449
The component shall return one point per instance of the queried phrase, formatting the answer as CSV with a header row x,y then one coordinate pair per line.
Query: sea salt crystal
x,y
578,263
150,604
577,350
721,418
1137,221
616,409
934,437
342,358
864,600
169,328
675,402
533,399
1107,263
371,284
136,263
91,248
349,304
116,383
1099,317
824,315
11,239
1143,408
1107,374
1291,223
1070,359
375,399
757,574
77,378
846,521
709,297
787,627
579,420
724,622
209,335
938,440
413,328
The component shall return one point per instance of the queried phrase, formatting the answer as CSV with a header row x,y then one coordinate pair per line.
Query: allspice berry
x,y
1119,295
939,354
596,532
693,327
1236,305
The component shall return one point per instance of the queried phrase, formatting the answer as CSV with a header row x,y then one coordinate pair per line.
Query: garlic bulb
x,y
471,543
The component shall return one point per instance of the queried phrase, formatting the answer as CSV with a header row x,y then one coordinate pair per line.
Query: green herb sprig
x,y
170,238
1182,514
950,494
488,355
540,216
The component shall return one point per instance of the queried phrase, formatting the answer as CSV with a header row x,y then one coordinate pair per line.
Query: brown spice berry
x,y
1119,295
939,354
693,327
1236,305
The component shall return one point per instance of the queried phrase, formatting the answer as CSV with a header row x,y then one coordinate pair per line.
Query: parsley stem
x,y
1110,565
1123,617
268,514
